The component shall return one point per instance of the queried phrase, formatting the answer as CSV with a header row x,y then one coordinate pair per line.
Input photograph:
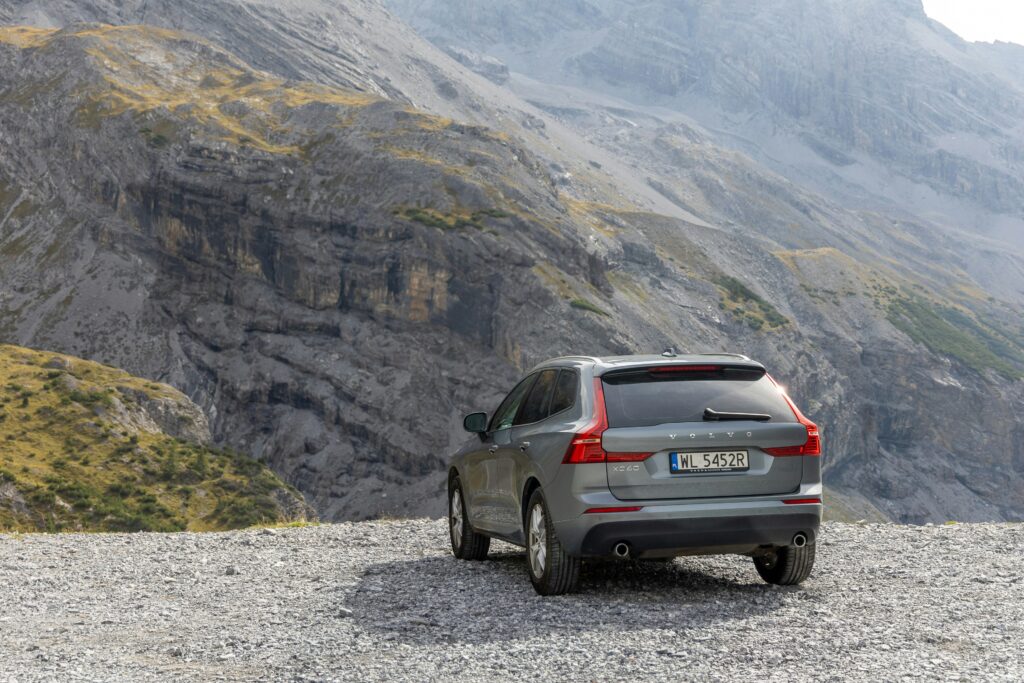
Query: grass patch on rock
x,y
950,332
450,221
78,453
748,306
216,94
585,305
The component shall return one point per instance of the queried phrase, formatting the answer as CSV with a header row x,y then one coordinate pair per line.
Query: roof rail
x,y
592,359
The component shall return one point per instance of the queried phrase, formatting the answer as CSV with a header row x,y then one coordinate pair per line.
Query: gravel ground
x,y
386,601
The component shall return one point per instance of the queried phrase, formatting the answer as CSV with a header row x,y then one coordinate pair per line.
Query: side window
x,y
564,395
535,408
506,412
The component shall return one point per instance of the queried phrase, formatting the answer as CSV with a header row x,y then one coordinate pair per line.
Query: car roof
x,y
602,364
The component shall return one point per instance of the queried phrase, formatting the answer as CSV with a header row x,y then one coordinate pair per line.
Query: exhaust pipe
x,y
800,540
621,550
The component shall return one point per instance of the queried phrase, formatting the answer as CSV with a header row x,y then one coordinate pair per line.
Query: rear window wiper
x,y
715,416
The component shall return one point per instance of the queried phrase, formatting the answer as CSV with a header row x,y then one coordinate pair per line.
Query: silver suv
x,y
640,457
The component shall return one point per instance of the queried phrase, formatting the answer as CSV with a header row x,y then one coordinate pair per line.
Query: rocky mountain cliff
x,y
337,270
870,102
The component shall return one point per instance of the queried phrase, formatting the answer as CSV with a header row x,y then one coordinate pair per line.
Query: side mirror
x,y
475,423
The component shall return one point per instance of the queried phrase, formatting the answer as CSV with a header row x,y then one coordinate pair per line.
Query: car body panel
x,y
482,484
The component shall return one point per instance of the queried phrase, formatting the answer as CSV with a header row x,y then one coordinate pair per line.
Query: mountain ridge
x,y
803,79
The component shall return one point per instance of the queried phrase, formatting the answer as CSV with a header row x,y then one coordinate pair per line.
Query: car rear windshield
x,y
652,396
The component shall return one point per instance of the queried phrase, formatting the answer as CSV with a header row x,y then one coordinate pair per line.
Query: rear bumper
x,y
665,528
733,534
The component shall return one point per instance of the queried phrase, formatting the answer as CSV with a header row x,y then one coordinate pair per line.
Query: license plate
x,y
711,461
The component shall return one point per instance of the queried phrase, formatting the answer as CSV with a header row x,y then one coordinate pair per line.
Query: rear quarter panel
x,y
548,441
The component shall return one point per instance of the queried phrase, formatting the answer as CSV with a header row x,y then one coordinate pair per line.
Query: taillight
x,y
628,457
810,447
586,444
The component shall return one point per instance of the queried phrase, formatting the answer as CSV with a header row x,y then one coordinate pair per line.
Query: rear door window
x,y
564,395
506,412
535,408
644,397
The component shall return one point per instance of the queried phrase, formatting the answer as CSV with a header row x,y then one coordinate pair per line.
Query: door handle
x,y
524,445
493,449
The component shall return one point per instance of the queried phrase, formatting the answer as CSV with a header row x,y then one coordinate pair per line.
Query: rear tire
x,y
787,566
552,570
466,543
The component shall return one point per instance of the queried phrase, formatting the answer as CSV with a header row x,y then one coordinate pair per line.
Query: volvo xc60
x,y
640,457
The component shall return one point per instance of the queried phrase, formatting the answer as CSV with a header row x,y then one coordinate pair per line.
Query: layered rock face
x,y
897,144
869,101
335,276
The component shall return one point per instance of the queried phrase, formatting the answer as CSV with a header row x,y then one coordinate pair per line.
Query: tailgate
x,y
652,478
662,420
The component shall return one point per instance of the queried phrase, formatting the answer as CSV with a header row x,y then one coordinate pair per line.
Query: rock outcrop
x,y
490,68
87,447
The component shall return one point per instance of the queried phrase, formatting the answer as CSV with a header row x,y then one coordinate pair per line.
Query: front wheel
x,y
552,571
466,543
786,566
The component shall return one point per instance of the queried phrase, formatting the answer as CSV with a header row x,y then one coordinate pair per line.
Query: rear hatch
x,y
697,431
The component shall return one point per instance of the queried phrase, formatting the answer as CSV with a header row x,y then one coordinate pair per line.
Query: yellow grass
x,y
72,457
25,36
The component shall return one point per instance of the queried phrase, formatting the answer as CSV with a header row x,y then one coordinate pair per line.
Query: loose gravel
x,y
385,601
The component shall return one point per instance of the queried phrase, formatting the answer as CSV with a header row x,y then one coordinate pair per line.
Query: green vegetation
x,y
75,458
450,221
741,301
825,295
953,333
161,137
585,305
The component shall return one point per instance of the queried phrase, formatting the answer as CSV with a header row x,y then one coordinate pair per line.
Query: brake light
x,y
586,444
594,511
685,368
801,501
810,447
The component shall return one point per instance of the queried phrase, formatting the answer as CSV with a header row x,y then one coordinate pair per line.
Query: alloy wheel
x,y
455,520
538,542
